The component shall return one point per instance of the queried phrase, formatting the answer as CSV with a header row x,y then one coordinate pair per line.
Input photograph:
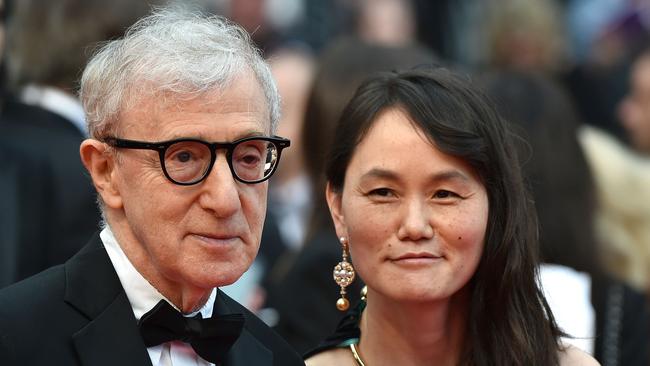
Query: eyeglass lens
x,y
189,161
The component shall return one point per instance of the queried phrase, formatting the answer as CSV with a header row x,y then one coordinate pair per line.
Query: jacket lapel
x,y
92,287
248,350
112,338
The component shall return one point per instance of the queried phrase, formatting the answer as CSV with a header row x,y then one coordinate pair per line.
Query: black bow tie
x,y
210,338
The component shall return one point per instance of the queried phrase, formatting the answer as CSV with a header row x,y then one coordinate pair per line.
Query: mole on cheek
x,y
460,237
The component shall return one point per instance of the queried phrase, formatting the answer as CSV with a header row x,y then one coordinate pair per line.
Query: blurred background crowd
x,y
572,76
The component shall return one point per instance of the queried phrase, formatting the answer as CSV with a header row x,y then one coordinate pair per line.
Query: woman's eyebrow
x,y
380,173
445,175
448,175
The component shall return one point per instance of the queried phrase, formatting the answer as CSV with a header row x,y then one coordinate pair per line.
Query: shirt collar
x,y
141,294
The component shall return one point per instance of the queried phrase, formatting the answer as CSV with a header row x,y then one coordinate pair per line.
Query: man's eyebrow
x,y
203,136
251,133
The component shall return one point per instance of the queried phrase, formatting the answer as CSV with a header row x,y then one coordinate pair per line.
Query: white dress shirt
x,y
143,297
568,293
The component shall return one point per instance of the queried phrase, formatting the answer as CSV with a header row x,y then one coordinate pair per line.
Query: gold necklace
x,y
355,354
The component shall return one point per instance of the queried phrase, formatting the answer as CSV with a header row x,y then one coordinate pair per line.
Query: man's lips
x,y
216,239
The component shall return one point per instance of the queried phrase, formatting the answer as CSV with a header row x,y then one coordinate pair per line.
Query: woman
x,y
425,190
303,286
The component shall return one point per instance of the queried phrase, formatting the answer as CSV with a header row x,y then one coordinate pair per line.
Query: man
x,y
179,112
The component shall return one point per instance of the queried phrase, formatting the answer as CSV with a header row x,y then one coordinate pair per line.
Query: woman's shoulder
x,y
331,357
573,356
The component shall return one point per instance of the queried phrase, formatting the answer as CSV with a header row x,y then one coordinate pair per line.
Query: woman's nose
x,y
416,221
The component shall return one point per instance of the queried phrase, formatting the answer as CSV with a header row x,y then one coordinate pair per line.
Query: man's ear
x,y
334,202
101,166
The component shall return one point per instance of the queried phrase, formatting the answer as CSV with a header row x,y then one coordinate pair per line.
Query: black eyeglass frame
x,y
279,142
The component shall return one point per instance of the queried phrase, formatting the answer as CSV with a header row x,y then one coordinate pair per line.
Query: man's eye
x,y
186,152
250,159
183,156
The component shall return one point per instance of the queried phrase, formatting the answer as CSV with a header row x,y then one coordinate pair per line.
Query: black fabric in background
x,y
53,200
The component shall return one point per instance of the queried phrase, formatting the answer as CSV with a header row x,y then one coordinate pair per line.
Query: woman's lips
x,y
420,258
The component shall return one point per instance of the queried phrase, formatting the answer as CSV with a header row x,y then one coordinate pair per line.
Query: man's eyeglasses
x,y
189,161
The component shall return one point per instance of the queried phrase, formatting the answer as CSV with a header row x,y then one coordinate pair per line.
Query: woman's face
x,y
414,216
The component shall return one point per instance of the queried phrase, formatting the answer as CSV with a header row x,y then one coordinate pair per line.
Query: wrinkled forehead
x,y
151,103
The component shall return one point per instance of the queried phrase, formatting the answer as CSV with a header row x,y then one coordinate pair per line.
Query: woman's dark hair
x,y
554,164
509,321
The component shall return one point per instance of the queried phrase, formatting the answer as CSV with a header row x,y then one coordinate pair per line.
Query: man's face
x,y
203,235
635,108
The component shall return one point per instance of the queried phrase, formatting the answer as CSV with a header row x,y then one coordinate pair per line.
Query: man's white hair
x,y
174,52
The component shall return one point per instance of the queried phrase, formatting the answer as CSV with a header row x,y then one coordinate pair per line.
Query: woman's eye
x,y
444,194
382,192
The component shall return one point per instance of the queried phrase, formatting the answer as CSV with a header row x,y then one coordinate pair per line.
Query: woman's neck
x,y
430,333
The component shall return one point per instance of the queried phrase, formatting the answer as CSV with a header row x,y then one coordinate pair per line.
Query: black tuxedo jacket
x,y
78,314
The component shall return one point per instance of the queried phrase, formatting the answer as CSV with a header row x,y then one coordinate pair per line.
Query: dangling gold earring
x,y
343,275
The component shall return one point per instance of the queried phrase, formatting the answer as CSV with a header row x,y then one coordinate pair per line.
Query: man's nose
x,y
416,221
219,190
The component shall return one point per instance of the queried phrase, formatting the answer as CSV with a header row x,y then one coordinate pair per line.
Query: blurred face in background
x,y
634,110
386,22
293,72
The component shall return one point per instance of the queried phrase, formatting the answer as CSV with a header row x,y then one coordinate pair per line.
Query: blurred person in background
x,y
290,196
525,35
49,42
386,22
613,38
520,34
47,45
289,191
624,220
252,15
604,38
25,182
600,314
634,110
273,23
303,287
